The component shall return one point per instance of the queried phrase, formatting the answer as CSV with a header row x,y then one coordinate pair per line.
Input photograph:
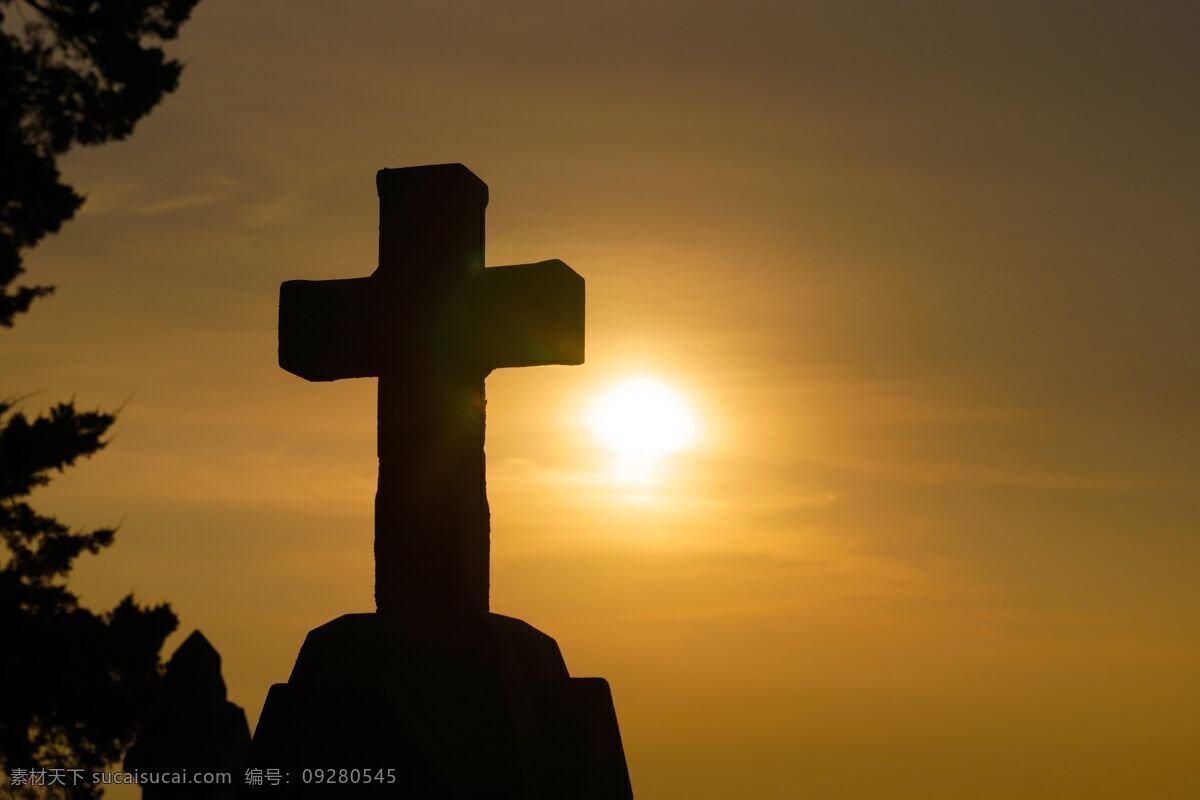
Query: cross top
x,y
430,323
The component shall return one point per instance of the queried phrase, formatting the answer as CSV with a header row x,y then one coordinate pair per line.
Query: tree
x,y
71,72
73,683
76,683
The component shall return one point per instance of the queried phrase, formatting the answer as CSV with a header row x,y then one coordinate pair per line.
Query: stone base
x,y
460,706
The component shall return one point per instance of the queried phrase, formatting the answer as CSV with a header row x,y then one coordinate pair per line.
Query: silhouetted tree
x,y
71,72
73,684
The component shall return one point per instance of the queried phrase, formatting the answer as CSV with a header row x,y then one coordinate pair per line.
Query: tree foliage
x,y
75,683
71,72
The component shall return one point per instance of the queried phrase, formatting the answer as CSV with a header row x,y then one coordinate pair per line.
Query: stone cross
x,y
431,323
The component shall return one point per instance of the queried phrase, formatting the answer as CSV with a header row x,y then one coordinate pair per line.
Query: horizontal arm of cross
x,y
514,316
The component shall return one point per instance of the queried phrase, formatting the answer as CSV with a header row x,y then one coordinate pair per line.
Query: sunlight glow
x,y
641,420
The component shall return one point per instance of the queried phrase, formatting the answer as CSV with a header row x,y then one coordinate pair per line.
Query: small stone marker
x,y
192,727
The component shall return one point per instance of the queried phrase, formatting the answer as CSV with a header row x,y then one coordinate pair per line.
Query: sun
x,y
641,420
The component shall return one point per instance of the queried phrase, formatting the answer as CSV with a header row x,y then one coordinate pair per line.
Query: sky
x,y
924,273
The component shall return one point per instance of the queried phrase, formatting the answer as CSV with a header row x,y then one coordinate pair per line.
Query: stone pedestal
x,y
465,705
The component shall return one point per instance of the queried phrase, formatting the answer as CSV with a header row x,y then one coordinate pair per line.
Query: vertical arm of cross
x,y
431,512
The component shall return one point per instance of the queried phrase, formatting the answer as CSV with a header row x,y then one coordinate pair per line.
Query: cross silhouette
x,y
431,323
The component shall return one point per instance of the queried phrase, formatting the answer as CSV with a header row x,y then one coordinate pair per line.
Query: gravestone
x,y
192,727
433,696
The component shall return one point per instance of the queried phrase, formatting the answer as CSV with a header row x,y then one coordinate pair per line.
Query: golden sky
x,y
926,274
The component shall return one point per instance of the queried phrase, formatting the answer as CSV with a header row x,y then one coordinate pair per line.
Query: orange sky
x,y
928,278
